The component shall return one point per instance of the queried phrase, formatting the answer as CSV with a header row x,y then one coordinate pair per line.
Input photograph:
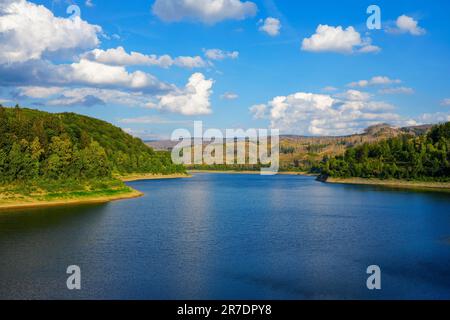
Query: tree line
x,y
426,157
38,145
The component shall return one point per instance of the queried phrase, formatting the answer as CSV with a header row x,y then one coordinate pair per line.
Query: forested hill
x,y
408,157
41,145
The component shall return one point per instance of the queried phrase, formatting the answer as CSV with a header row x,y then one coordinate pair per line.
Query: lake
x,y
225,236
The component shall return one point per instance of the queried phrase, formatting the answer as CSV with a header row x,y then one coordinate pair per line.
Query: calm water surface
x,y
233,237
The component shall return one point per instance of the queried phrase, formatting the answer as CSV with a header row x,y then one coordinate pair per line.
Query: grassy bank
x,y
394,183
44,193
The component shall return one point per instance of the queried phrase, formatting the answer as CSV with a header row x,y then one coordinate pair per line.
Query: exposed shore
x,y
19,201
392,183
137,177
290,173
24,202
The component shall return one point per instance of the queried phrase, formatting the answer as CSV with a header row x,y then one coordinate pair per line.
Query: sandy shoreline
x,y
63,202
94,199
290,173
437,186
131,178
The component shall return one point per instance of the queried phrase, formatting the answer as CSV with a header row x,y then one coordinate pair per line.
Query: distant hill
x,y
303,152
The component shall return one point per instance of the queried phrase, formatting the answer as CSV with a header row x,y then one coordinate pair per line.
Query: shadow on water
x,y
40,219
438,194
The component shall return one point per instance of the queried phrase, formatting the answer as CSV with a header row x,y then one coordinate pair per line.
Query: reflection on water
x,y
231,237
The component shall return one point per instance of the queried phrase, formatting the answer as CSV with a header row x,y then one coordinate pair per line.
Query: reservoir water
x,y
220,236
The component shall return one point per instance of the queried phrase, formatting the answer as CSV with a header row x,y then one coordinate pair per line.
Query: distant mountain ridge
x,y
378,130
303,152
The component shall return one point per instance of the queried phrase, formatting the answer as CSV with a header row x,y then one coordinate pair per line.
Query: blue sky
x,y
305,68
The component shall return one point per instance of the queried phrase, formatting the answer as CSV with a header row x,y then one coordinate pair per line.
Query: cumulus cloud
x,y
406,24
191,62
320,114
271,26
445,102
29,31
354,95
35,42
94,73
39,92
336,39
378,80
206,11
119,57
81,73
191,100
259,111
30,35
83,96
218,54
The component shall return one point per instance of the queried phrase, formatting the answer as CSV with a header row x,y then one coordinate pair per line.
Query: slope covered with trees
x,y
425,157
40,146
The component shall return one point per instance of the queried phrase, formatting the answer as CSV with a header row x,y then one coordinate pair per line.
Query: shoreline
x,y
399,184
139,177
94,199
287,173
29,202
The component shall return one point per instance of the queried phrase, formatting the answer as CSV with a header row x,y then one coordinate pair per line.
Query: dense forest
x,y
40,146
426,157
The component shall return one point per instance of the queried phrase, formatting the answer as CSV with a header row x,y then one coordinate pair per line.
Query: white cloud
x,y
229,96
336,39
218,54
119,57
29,31
88,73
191,100
206,11
369,48
259,111
34,44
271,26
94,73
406,24
39,92
445,102
397,90
354,95
191,62
318,114
378,80
83,96
89,3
